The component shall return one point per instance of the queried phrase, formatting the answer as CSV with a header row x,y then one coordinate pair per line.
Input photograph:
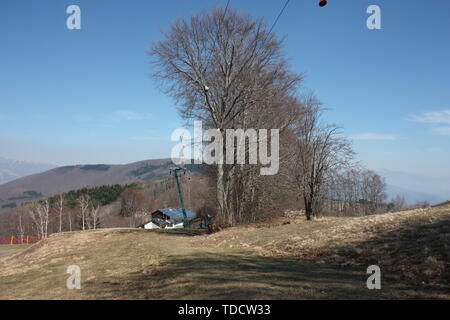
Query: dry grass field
x,y
285,259
6,250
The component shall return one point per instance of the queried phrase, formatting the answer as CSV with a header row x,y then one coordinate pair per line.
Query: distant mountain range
x,y
12,169
414,197
31,181
64,179
416,188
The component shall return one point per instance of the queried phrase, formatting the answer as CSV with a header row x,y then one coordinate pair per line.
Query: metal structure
x,y
180,194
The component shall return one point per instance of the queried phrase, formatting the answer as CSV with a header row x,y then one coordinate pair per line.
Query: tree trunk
x,y
60,220
221,199
309,209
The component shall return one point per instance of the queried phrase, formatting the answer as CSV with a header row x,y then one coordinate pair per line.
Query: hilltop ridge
x,y
64,179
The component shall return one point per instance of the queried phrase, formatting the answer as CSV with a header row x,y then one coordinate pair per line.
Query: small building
x,y
167,219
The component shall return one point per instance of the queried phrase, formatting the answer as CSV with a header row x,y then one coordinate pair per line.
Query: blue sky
x,y
84,96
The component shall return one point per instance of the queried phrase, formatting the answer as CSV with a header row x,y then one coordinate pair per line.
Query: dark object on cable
x,y
323,3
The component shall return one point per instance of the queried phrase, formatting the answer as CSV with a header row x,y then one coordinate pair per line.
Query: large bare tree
x,y
232,65
320,150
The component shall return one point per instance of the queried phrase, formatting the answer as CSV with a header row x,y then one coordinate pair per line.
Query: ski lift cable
x,y
226,9
322,3
279,16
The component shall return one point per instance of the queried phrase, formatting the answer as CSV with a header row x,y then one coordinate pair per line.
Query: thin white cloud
x,y
443,131
439,120
436,117
374,136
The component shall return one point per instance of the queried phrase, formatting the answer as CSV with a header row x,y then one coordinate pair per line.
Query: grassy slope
x,y
324,259
6,250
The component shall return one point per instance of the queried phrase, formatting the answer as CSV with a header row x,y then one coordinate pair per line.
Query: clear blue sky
x,y
84,96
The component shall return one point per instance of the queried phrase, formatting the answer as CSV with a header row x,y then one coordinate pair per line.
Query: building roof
x,y
177,214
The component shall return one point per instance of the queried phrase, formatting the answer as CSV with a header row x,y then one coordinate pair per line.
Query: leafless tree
x,y
95,215
133,202
39,213
397,204
346,191
20,227
320,150
69,217
373,190
235,67
356,191
60,208
84,202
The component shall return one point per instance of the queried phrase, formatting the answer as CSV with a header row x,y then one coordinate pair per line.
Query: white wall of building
x,y
151,225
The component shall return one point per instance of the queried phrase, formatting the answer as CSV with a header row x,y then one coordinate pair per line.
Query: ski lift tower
x,y
175,173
